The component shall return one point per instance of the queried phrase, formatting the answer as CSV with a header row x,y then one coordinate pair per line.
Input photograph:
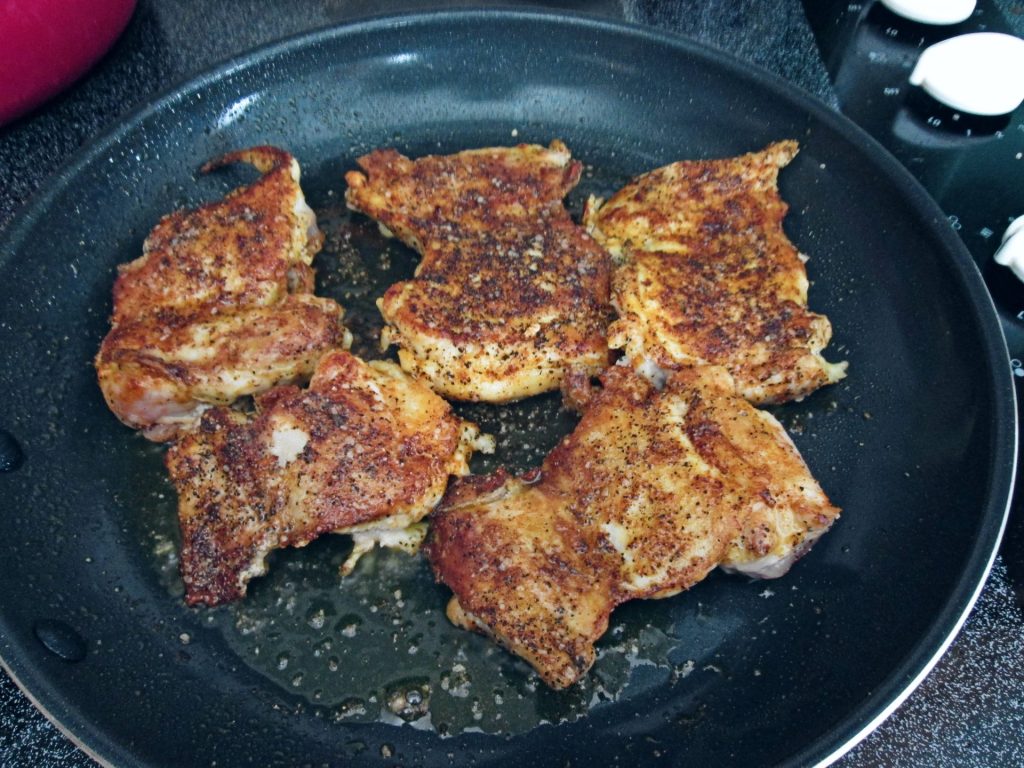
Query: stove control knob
x,y
1011,252
978,73
932,11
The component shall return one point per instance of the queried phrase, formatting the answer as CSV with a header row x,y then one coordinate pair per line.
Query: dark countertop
x,y
969,711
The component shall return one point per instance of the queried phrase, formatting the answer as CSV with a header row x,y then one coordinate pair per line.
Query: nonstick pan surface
x,y
917,445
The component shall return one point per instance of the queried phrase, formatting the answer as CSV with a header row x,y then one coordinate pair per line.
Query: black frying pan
x,y
917,445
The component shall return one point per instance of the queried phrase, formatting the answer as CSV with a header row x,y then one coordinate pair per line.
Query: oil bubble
x,y
409,699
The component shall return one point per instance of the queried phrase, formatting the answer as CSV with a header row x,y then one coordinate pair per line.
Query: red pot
x,y
45,45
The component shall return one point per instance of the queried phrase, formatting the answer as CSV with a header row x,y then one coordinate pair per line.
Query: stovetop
x,y
973,167
854,56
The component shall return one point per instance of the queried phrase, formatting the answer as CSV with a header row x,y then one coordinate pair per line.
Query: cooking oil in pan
x,y
376,646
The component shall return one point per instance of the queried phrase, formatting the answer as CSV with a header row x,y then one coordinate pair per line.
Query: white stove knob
x,y
932,11
981,73
1011,252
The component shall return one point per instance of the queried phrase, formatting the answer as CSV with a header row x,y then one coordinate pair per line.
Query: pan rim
x,y
1004,433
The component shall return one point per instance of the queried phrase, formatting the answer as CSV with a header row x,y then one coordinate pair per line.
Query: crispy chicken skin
x,y
219,305
653,489
510,293
164,369
364,448
705,274
251,248
524,572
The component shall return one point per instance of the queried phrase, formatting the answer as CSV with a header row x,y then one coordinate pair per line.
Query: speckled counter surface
x,y
968,712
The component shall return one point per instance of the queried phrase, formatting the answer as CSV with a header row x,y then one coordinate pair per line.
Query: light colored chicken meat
x,y
705,274
365,449
219,305
651,491
510,293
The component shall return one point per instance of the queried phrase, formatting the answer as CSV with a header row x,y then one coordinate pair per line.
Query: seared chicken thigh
x,y
524,571
160,372
652,490
705,274
251,248
219,304
510,293
365,450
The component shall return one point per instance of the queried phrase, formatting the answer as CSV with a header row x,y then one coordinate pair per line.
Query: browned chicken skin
x,y
219,305
510,293
652,490
364,449
705,274
249,249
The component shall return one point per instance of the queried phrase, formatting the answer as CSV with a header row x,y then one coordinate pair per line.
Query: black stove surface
x,y
967,712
